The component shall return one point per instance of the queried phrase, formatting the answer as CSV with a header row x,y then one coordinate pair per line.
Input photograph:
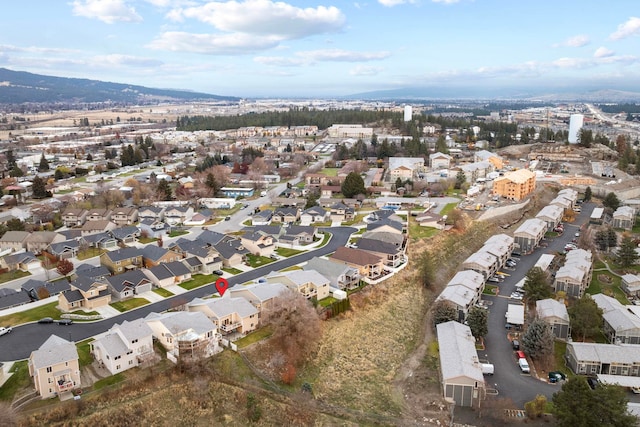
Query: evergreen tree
x,y
611,201
89,157
16,171
353,185
587,194
442,312
164,190
538,339
461,178
586,317
11,159
477,319
536,285
39,189
212,183
44,164
626,256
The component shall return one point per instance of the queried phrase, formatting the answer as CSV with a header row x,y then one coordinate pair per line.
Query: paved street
x,y
508,379
26,338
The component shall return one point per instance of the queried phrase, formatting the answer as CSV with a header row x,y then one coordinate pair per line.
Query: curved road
x,y
508,379
24,339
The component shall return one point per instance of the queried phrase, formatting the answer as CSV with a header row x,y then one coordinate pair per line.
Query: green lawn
x,y
330,171
418,232
258,261
609,287
254,337
12,275
147,240
448,208
18,381
490,290
84,352
286,252
356,220
560,348
232,270
129,304
90,253
326,302
163,292
197,281
325,239
177,233
47,310
105,382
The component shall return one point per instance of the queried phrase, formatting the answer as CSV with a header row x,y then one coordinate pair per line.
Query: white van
x,y
487,369
524,365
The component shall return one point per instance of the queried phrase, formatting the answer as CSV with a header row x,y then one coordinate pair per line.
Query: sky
x,y
329,48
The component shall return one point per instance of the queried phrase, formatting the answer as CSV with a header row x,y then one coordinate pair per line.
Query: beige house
x,y
369,266
309,283
260,295
121,260
184,334
54,367
405,167
258,243
230,315
515,185
124,216
14,241
85,293
99,215
440,161
74,217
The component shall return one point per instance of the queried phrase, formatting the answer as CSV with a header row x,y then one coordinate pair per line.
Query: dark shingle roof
x,y
153,252
12,298
131,279
123,253
377,246
73,296
124,232
84,283
96,273
58,248
211,237
229,247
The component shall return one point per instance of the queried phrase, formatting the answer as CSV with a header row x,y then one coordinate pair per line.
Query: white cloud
x,y
108,11
213,44
309,57
575,41
629,28
127,60
446,1
265,17
365,70
603,52
391,3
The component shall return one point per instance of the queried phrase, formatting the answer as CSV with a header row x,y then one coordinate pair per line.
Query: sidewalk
x,y
107,311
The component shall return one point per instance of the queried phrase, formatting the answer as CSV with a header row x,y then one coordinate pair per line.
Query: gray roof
x,y
301,277
128,279
531,227
123,253
84,283
193,261
546,308
211,237
330,269
391,223
229,247
483,259
469,278
133,330
458,355
378,246
616,314
384,236
296,230
58,248
169,269
14,236
225,306
31,286
154,252
97,238
73,296
11,298
500,238
88,270
20,257
178,322
605,353
262,291
124,232
53,351
316,211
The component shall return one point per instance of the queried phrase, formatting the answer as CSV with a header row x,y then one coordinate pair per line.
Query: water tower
x,y
408,114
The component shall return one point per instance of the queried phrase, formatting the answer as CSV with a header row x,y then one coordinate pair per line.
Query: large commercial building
x,y
515,185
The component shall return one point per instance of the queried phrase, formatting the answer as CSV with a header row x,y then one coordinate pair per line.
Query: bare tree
x,y
296,327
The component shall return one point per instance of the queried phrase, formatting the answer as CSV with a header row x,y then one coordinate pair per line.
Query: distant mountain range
x,y
478,93
17,87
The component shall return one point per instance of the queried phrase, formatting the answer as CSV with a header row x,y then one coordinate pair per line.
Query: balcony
x,y
230,327
64,385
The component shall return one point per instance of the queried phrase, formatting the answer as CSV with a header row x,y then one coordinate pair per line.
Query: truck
x,y
4,330
487,368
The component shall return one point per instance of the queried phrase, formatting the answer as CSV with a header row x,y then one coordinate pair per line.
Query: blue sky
x,y
325,48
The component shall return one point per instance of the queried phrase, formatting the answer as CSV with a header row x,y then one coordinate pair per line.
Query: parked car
x,y
635,390
46,320
493,279
511,264
516,295
593,382
227,218
4,330
577,234
218,272
65,322
520,354
524,365
555,376
516,254
515,344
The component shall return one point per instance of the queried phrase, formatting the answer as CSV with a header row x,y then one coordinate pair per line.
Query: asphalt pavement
x,y
508,380
25,338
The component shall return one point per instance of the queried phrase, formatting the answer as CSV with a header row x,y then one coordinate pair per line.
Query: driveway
x,y
508,379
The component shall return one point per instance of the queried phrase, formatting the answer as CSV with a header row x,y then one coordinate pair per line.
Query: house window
x,y
49,380
49,370
117,357
131,362
119,268
107,357
117,367
134,341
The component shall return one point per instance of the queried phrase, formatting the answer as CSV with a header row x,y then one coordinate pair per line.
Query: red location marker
x,y
222,285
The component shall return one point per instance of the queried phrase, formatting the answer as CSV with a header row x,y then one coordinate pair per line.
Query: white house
x,y
124,346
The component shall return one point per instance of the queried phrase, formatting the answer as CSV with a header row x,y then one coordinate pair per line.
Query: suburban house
x,y
231,251
124,346
309,283
313,215
74,217
102,240
98,215
396,239
97,226
124,216
177,214
603,359
64,250
167,274
12,298
369,266
260,295
153,255
38,241
460,369
316,180
262,218
152,228
463,291
439,161
54,367
631,284
23,261
392,255
621,325
341,212
528,236
184,334
623,217
209,259
258,243
555,314
552,215
151,212
84,293
230,315
482,262
14,240
121,259
285,215
430,219
405,167
515,185
128,284
297,235
340,275
94,272
575,275
39,289
126,235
